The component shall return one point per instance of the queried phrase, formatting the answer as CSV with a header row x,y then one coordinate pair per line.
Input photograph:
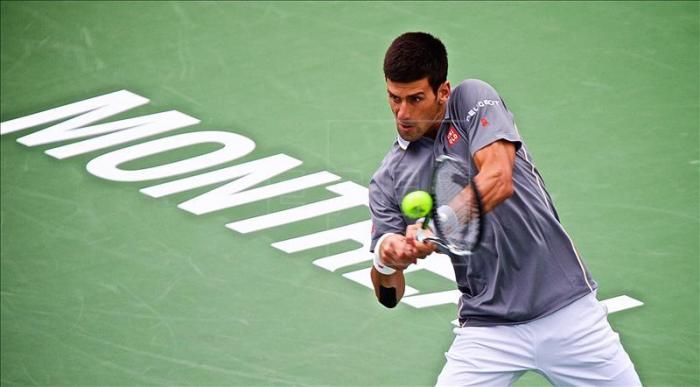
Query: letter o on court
x,y
106,166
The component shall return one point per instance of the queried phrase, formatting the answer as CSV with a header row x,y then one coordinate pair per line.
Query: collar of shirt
x,y
403,144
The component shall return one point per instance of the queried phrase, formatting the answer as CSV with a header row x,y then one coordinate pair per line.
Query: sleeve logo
x,y
480,105
452,136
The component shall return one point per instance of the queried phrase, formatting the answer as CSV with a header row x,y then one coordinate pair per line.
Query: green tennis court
x,y
105,284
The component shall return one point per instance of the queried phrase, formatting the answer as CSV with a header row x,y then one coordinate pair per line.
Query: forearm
x,y
394,286
495,186
387,269
495,178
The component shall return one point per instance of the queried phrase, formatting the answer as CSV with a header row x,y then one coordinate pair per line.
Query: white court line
x,y
619,303
612,305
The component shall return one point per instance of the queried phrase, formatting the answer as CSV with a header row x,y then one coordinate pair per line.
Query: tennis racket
x,y
457,212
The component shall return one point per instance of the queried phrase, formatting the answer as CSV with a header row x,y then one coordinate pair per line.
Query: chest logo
x,y
484,122
452,136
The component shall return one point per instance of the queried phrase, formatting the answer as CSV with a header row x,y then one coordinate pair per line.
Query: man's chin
x,y
409,135
409,138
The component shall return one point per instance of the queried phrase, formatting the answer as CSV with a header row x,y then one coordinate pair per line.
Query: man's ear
x,y
444,92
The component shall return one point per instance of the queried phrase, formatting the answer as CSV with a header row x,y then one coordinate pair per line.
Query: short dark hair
x,y
416,55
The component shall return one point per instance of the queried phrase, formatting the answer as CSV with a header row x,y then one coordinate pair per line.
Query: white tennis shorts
x,y
574,346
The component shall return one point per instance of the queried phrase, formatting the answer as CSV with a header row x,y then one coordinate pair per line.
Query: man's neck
x,y
437,121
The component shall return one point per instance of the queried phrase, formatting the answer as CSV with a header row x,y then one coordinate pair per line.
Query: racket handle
x,y
420,234
426,221
426,225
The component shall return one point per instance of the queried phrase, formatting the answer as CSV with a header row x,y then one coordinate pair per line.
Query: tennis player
x,y
528,301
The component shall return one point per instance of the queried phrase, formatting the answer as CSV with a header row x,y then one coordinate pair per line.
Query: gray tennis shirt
x,y
406,167
526,266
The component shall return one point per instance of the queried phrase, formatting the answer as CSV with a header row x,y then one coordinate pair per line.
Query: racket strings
x,y
457,217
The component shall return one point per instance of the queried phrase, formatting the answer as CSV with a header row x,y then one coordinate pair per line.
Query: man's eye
x,y
417,99
396,99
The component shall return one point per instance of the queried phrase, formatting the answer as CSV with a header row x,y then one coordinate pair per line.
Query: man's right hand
x,y
398,253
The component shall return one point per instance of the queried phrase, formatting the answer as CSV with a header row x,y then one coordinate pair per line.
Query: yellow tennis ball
x,y
417,204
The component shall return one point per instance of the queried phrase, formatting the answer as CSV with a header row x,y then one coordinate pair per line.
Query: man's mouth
x,y
405,126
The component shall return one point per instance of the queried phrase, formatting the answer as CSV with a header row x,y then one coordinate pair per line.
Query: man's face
x,y
417,110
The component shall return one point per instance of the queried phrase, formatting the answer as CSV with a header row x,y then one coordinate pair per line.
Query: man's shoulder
x,y
475,89
399,157
390,160
474,82
472,95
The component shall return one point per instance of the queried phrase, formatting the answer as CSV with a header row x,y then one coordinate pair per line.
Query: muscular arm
x,y
398,252
388,289
495,178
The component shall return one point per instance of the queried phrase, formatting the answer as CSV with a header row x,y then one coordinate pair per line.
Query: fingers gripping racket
x,y
456,211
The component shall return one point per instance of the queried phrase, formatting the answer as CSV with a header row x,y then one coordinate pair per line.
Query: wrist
x,y
377,261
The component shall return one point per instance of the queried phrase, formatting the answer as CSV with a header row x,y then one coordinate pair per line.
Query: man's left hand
x,y
420,249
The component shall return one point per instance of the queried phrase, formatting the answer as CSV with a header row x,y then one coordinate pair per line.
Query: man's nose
x,y
403,113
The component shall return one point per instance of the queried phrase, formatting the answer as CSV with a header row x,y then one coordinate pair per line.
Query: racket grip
x,y
420,234
427,223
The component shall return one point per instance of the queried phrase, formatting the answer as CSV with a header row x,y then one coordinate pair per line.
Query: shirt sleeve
x,y
386,215
477,110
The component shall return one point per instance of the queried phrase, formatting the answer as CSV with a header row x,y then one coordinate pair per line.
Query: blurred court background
x,y
102,285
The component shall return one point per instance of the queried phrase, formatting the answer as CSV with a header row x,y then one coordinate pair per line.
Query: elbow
x,y
387,297
391,304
